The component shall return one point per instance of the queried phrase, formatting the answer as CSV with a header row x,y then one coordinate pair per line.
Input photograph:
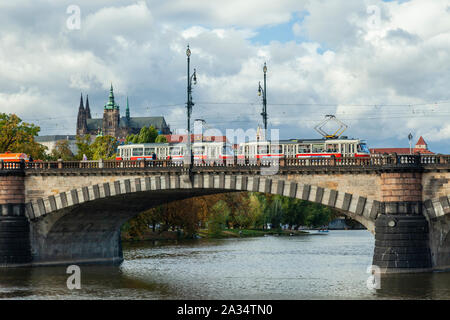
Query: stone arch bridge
x,y
71,212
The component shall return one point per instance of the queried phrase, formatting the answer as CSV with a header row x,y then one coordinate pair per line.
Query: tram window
x,y
302,148
263,149
138,152
176,151
149,151
199,150
363,148
317,148
332,148
275,149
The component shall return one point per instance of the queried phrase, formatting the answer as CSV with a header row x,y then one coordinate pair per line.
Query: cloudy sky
x,y
383,67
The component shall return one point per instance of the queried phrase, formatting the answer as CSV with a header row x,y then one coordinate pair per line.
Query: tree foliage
x,y
18,136
145,135
237,210
161,139
218,218
104,147
62,151
84,147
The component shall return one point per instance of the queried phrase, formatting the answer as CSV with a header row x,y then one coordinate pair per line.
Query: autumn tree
x,y
18,136
62,151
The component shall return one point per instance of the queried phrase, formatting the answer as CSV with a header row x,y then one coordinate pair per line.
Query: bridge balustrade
x,y
375,160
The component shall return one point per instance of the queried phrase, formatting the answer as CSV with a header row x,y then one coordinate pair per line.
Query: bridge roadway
x,y
71,212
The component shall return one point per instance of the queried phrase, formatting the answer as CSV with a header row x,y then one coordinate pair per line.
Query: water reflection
x,y
415,286
331,266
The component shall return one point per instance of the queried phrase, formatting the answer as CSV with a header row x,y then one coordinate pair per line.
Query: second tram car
x,y
303,148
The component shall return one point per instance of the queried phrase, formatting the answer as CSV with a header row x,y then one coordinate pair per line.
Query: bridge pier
x,y
440,242
14,226
401,231
402,244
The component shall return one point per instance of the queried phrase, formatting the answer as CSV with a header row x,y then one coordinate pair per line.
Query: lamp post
x,y
189,105
264,98
410,136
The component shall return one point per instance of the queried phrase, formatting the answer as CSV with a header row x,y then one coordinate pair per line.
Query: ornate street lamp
x,y
189,105
264,99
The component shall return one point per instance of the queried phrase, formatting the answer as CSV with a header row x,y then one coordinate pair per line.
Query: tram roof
x,y
165,144
295,141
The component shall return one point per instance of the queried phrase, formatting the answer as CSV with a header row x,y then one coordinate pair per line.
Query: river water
x,y
327,266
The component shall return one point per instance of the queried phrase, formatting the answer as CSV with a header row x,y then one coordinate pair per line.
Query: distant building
x,y
420,147
50,142
112,123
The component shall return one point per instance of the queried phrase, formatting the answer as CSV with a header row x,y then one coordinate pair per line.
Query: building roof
x,y
416,149
135,122
400,151
421,142
54,138
139,122
194,137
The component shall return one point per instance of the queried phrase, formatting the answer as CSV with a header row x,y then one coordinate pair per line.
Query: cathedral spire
x,y
88,110
127,114
111,104
81,119
81,102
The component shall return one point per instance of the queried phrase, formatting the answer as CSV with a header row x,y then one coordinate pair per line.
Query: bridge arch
x,y
84,224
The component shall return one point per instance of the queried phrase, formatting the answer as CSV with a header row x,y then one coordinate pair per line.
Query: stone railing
x,y
12,165
373,161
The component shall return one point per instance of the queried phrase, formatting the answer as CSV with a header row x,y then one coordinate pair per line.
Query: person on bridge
x,y
153,156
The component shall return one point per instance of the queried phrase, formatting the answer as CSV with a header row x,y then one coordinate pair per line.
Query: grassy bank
x,y
204,233
243,233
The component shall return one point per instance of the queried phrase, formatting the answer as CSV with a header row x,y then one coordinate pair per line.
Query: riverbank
x,y
204,233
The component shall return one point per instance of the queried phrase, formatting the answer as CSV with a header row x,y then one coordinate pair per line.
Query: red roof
x,y
183,138
421,141
400,151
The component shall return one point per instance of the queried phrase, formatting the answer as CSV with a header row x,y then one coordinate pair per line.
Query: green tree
x,y
276,212
294,212
318,215
161,139
18,136
146,135
104,147
84,147
218,217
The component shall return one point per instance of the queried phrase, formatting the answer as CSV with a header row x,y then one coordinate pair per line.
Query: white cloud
x,y
140,48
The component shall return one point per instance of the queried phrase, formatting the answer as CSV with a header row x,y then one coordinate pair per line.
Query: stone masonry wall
x,y
435,185
12,189
366,185
12,195
399,187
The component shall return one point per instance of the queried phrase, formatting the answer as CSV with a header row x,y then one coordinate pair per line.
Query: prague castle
x,y
112,123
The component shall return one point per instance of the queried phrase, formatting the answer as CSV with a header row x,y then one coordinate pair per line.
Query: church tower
x,y
127,113
81,119
88,110
111,116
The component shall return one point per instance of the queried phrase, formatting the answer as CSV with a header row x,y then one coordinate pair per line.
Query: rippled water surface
x,y
328,266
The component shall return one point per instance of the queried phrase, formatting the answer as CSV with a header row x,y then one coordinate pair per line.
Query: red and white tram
x,y
205,152
303,148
